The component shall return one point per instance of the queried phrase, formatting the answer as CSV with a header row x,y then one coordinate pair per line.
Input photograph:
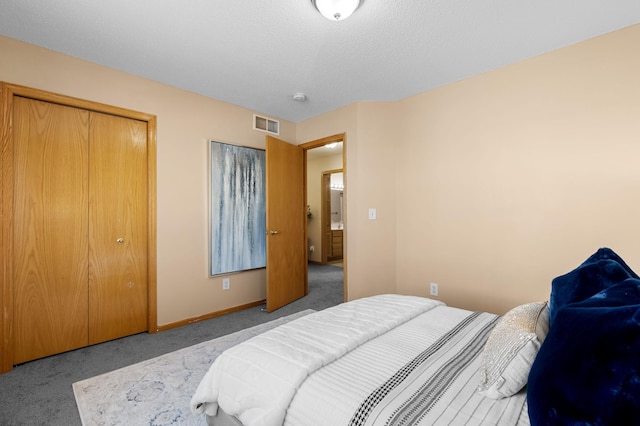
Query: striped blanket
x,y
424,372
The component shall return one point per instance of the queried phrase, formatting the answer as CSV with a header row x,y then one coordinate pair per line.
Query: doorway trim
x,y
339,137
7,93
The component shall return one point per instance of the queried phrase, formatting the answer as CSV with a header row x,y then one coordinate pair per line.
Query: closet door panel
x,y
118,278
50,230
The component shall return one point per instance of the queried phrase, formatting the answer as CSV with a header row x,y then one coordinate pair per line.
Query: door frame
x,y
339,137
7,93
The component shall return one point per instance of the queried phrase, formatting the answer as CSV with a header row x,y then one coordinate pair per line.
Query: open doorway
x,y
326,218
332,223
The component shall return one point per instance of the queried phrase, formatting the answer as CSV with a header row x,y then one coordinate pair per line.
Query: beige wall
x,y
496,184
185,124
490,186
516,176
370,136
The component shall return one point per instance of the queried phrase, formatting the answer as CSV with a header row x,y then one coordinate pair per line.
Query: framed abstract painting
x,y
237,208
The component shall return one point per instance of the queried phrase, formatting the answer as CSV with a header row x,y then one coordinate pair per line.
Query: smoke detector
x,y
299,97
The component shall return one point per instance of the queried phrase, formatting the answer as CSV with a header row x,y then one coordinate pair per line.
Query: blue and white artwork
x,y
238,208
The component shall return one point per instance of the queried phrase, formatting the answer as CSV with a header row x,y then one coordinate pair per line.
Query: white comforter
x,y
257,379
424,372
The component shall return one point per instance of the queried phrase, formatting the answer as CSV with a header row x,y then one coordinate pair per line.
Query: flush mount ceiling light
x,y
336,10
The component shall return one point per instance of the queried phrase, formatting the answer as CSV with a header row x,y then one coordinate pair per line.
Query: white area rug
x,y
157,391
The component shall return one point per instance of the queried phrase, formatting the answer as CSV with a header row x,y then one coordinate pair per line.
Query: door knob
x,y
120,240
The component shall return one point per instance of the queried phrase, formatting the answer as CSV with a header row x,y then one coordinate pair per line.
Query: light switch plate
x,y
372,214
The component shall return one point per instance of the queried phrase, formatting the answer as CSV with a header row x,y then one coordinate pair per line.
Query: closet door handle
x,y
120,240
273,232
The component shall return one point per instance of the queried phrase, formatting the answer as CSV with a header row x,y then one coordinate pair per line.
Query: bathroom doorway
x,y
325,157
332,194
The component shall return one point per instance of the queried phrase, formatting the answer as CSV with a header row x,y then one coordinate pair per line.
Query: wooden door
x,y
286,222
117,227
50,228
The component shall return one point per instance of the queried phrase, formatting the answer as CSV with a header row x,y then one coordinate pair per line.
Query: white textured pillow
x,y
511,349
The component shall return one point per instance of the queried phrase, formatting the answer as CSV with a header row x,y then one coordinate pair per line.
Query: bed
x,y
407,360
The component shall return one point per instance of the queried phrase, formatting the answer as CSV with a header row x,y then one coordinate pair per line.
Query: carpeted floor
x,y
40,393
158,391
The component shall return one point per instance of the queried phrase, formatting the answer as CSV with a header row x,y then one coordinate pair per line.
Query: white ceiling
x,y
258,53
324,151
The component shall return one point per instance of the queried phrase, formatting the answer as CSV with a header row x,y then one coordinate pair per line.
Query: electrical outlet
x,y
433,289
225,284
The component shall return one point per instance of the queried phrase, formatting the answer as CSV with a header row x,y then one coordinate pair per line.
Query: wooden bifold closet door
x,y
80,230
51,229
117,227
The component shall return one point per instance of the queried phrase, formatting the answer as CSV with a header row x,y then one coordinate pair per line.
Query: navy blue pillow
x,y
587,371
602,269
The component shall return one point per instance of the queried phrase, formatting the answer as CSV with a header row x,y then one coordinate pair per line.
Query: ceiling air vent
x,y
266,124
